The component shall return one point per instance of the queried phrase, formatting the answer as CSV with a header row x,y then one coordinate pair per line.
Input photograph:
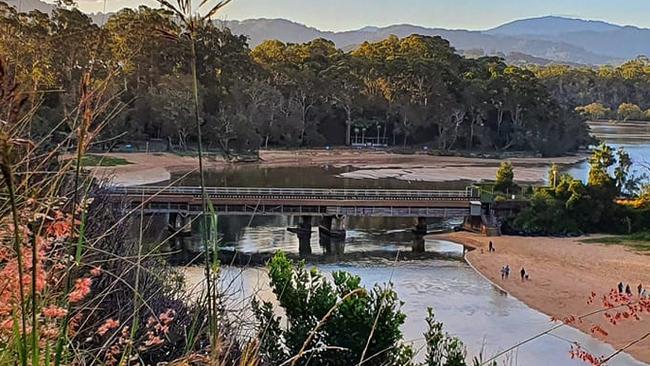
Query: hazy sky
x,y
467,14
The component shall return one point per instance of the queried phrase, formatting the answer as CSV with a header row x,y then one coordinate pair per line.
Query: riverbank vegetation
x,y
416,90
569,205
606,92
638,241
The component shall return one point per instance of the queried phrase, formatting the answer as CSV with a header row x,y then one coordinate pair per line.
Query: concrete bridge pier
x,y
418,244
303,231
421,226
333,226
179,224
332,246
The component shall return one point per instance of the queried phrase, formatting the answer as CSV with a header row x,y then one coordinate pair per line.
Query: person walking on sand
x,y
628,290
503,273
507,271
620,287
490,247
640,288
522,273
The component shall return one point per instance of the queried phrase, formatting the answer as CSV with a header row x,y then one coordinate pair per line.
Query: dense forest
x,y
607,92
415,90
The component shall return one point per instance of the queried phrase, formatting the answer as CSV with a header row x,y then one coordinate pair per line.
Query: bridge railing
x,y
297,192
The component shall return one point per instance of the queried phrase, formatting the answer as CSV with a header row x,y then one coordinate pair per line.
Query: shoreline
x,y
153,168
560,285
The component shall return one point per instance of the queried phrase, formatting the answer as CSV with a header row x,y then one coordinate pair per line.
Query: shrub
x,y
336,323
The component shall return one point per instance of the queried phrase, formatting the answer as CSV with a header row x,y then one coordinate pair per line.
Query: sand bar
x,y
148,168
563,272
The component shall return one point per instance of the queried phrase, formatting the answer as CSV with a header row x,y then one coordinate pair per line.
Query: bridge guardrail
x,y
297,192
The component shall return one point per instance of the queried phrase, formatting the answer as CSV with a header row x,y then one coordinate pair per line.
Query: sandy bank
x,y
150,168
153,168
563,273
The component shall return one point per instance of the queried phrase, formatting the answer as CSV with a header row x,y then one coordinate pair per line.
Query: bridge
x,y
300,201
331,206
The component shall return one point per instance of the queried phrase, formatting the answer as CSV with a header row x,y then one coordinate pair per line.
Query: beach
x,y
563,273
149,168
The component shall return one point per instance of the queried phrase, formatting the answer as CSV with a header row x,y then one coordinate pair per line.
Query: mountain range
x,y
542,40
545,39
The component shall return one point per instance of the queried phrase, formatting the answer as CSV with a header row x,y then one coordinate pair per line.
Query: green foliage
x,y
417,89
597,91
98,160
347,318
594,111
638,241
505,178
570,206
442,349
602,158
629,111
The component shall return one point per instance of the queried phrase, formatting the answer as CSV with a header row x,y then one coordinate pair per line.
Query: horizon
x,y
458,14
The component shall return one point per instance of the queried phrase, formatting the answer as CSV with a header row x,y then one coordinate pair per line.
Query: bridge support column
x,y
421,226
179,224
333,226
418,244
304,235
332,246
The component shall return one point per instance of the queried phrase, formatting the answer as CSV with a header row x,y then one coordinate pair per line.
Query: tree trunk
x,y
348,126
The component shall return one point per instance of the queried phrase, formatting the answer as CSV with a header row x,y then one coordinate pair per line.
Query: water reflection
x,y
303,177
268,234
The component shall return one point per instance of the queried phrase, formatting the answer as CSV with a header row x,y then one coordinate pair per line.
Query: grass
x,y
98,160
638,241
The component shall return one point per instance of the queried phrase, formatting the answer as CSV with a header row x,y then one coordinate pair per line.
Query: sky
x,y
337,15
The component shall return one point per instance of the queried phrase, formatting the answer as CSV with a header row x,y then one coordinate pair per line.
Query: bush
x,y
343,314
505,180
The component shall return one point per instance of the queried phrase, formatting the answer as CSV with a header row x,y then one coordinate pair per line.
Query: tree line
x,y
608,92
416,90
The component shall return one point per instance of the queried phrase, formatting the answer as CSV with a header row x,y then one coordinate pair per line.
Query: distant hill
x,y
29,5
610,40
551,26
542,40
259,30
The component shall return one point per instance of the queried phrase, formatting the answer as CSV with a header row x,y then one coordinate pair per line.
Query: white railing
x,y
296,192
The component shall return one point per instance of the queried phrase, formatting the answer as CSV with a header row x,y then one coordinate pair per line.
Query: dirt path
x,y
563,273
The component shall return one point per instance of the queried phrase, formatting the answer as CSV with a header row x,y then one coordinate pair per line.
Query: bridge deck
x,y
300,201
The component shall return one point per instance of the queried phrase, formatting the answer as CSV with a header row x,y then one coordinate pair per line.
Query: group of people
x,y
505,273
642,292
505,270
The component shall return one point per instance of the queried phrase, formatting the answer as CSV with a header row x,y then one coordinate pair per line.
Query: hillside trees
x,y
415,90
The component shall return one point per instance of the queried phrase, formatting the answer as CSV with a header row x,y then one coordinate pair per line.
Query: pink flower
x,y
54,312
81,290
96,272
110,324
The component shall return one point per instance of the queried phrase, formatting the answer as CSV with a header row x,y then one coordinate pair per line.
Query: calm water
x,y
303,177
469,306
487,320
633,138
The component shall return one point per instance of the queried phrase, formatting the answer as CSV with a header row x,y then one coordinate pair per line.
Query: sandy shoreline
x,y
563,274
149,168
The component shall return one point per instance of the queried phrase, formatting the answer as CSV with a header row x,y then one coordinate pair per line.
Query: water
x,y
486,319
302,177
482,316
633,138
